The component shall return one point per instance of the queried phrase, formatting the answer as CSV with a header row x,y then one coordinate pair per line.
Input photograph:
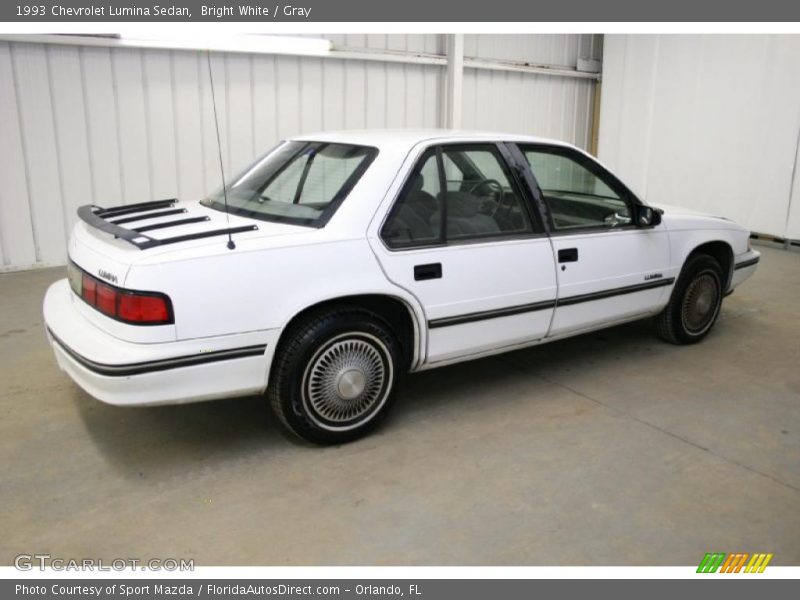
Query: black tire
x,y
695,303
334,375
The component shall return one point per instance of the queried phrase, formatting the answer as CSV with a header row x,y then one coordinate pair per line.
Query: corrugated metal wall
x,y
117,125
708,122
542,105
546,49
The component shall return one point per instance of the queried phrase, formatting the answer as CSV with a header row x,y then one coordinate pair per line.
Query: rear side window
x,y
299,182
457,193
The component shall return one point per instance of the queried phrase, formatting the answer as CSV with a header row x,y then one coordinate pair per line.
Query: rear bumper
x,y
126,373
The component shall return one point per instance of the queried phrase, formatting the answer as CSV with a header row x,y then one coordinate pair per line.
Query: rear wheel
x,y
695,303
334,376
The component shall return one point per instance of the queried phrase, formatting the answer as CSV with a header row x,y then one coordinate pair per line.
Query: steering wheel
x,y
493,185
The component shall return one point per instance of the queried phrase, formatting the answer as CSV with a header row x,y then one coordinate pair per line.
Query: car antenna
x,y
231,245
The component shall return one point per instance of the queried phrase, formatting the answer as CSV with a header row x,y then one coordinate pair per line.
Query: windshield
x,y
298,182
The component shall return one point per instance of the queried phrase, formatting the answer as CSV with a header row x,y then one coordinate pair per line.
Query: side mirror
x,y
647,216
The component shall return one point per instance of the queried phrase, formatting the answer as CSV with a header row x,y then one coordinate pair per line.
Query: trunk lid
x,y
159,230
152,232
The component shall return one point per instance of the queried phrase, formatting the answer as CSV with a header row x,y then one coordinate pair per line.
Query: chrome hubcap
x,y
700,302
350,384
346,381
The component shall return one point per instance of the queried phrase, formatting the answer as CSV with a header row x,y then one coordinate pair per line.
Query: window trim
x,y
442,190
594,167
506,163
327,213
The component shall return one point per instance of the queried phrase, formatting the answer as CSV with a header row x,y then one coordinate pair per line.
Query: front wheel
x,y
695,303
334,376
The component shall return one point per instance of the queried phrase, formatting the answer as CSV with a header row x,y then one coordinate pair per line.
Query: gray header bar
x,y
255,11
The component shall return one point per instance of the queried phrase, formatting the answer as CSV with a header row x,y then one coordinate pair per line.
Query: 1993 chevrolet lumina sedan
x,y
338,262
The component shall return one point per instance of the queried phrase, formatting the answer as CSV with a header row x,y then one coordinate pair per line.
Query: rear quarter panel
x,y
259,289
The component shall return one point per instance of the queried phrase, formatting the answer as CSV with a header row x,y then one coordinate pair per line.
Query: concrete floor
x,y
608,449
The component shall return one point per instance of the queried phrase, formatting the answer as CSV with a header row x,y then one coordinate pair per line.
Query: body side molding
x,y
746,263
140,368
546,304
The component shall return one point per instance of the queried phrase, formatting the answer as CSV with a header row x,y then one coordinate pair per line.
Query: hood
x,y
678,217
672,210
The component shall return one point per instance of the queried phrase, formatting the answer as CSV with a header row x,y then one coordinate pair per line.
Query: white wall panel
x,y
334,94
72,143
355,103
239,114
288,91
426,43
311,94
531,104
40,151
107,126
547,49
708,122
157,78
102,117
793,220
132,124
265,124
16,229
186,75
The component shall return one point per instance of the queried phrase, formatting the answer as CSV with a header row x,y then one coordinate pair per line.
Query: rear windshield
x,y
298,182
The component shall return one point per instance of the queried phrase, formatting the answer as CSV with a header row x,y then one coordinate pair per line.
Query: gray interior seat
x,y
413,218
464,217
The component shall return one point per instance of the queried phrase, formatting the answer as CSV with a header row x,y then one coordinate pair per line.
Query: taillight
x,y
106,300
137,308
75,276
89,290
128,306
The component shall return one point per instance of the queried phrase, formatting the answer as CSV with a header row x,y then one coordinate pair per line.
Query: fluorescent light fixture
x,y
250,43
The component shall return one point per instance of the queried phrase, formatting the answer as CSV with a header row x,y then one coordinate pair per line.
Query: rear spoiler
x,y
108,220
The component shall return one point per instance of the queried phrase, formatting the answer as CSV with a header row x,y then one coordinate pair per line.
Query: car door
x,y
609,270
462,238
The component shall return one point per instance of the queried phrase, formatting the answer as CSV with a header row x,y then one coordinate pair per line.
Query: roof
x,y
410,137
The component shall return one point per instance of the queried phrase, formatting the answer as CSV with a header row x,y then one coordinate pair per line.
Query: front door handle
x,y
430,271
568,255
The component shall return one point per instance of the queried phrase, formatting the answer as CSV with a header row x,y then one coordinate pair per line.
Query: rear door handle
x,y
568,255
430,271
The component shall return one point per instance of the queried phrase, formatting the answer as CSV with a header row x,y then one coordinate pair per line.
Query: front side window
x,y
298,182
457,193
577,192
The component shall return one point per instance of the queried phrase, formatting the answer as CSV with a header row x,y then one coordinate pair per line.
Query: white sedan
x,y
338,262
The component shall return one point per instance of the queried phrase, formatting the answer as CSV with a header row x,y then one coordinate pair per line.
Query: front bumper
x,y
744,265
121,372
